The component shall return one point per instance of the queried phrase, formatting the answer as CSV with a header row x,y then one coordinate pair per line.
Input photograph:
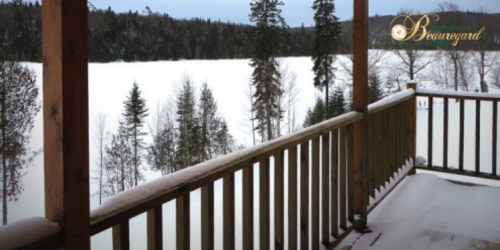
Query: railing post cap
x,y
412,82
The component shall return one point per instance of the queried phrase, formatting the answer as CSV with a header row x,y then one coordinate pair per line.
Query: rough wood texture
x,y
315,240
325,185
65,112
292,197
155,228
342,179
121,236
248,208
304,195
183,222
228,215
264,212
360,102
334,199
279,209
207,217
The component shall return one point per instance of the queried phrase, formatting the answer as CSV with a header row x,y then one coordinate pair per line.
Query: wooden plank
x,y
374,130
342,179
457,95
248,208
315,240
292,198
207,217
325,186
430,131
182,211
334,199
445,132
461,136
360,101
350,174
412,121
391,101
228,208
494,140
65,115
121,236
478,135
155,228
279,210
264,212
304,195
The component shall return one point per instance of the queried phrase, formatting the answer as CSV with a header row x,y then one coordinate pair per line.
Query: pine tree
x,y
187,127
119,168
18,107
161,152
327,32
135,112
316,115
375,91
266,75
337,102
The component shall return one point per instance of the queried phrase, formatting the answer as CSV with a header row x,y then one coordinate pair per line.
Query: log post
x,y
360,97
65,114
413,123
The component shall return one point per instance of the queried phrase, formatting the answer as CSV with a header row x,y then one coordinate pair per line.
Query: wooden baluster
x,y
342,179
315,240
350,174
334,200
445,133
304,195
207,217
279,201
228,212
182,211
292,198
264,204
325,146
121,236
429,132
461,137
478,135
494,141
155,228
248,208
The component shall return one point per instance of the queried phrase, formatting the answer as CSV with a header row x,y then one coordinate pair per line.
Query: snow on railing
x,y
26,232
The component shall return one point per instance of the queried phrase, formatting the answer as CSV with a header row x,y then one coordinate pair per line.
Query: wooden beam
x,y
65,105
360,97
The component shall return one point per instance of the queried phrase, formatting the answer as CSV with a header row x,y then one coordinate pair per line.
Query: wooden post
x,y
413,123
360,97
65,111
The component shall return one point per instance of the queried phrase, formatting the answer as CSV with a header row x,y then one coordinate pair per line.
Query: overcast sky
x,y
295,12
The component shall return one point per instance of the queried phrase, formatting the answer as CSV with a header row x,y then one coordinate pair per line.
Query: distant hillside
x,y
134,37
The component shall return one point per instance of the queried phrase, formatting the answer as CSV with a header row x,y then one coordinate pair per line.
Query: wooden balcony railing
x,y
464,99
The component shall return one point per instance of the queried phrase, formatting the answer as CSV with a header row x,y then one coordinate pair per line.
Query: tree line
x,y
184,132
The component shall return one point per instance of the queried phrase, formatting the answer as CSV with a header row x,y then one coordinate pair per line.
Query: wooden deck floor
x,y
427,212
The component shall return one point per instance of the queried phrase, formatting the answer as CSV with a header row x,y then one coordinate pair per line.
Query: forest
x,y
152,36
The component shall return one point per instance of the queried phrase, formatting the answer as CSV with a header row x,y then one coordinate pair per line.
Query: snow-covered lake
x,y
109,84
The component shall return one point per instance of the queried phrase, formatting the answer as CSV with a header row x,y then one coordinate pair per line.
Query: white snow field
x,y
109,83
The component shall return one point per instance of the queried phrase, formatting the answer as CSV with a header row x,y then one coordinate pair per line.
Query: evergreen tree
x,y
375,91
119,168
316,115
214,135
327,32
135,112
187,127
161,153
266,76
18,107
337,104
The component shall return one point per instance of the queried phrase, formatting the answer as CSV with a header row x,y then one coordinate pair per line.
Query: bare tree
x,y
101,135
441,70
413,60
495,75
162,129
248,110
466,72
288,98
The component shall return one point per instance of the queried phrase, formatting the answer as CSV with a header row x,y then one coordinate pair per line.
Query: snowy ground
x,y
109,83
427,212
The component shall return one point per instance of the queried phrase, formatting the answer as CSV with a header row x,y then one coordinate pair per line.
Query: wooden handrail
x,y
147,196
458,95
390,101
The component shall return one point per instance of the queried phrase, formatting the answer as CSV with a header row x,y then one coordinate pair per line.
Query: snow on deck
x,y
427,212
